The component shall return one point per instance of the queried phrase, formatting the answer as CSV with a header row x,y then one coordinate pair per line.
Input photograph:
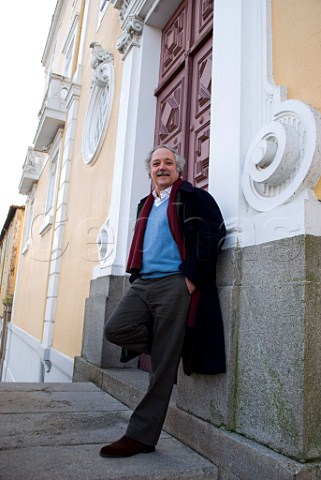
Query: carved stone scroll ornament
x,y
284,157
101,61
132,31
100,103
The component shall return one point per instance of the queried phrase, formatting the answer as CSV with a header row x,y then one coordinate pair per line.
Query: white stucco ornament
x,y
284,157
131,34
105,242
100,103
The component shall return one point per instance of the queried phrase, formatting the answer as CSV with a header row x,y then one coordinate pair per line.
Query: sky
x,y
24,27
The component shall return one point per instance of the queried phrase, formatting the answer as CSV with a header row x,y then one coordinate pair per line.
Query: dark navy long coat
x,y
203,232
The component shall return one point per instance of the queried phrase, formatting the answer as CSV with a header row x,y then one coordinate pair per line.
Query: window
x,y
68,60
48,213
102,10
51,187
69,48
29,226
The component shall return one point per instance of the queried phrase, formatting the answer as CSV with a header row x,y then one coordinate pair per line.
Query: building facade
x,y
234,86
10,240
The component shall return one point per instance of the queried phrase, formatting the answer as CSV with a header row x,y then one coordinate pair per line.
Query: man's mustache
x,y
162,172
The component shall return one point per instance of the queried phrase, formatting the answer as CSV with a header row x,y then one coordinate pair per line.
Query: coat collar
x,y
186,186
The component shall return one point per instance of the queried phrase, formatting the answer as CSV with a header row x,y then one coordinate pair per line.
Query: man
x,y
172,308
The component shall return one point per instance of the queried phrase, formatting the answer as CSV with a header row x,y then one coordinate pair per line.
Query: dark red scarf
x,y
135,258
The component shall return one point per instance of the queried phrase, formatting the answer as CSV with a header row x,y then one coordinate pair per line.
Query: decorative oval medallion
x,y
100,104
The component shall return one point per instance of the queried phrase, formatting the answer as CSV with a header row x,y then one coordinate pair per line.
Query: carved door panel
x,y
200,107
175,41
172,112
202,18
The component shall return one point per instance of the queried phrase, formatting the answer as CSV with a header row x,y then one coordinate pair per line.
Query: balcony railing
x,y
52,115
31,170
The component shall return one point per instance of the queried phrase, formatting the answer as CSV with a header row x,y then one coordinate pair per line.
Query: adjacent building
x,y
10,240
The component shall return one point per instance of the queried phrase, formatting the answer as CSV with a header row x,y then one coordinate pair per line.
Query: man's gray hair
x,y
180,161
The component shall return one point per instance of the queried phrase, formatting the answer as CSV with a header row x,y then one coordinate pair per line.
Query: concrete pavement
x,y
55,431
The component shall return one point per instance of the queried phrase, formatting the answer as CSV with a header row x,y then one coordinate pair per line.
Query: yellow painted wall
x,y
296,27
89,197
31,288
297,47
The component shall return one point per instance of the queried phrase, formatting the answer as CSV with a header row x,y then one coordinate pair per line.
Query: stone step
x,y
55,431
237,457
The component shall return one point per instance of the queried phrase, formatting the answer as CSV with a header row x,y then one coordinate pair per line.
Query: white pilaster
x,y
135,137
226,104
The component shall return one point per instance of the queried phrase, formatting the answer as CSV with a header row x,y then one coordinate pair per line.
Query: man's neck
x,y
163,192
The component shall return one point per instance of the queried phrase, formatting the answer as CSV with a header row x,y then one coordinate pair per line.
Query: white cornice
x,y
133,7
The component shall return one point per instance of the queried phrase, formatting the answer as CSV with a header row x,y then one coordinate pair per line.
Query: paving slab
x,y
38,401
55,432
81,428
48,387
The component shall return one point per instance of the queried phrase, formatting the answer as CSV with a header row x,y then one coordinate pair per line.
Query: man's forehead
x,y
163,153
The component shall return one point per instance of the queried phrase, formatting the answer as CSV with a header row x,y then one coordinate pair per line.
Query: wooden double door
x,y
184,92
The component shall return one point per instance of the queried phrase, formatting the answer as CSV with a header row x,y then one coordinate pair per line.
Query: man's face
x,y
163,169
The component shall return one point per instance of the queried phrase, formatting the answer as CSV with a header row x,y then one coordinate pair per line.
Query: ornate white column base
x,y
282,166
298,217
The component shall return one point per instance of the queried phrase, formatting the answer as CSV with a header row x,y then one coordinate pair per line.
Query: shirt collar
x,y
164,194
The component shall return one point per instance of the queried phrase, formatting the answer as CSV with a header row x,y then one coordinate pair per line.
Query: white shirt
x,y
164,194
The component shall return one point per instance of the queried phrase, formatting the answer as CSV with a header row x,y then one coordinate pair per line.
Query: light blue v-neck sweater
x,y
160,251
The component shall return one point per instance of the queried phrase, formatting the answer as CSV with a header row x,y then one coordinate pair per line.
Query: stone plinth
x,y
271,302
105,294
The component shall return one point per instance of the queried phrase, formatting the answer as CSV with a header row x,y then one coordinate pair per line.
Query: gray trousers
x,y
151,319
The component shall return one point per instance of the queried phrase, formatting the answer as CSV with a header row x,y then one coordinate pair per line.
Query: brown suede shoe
x,y
125,447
